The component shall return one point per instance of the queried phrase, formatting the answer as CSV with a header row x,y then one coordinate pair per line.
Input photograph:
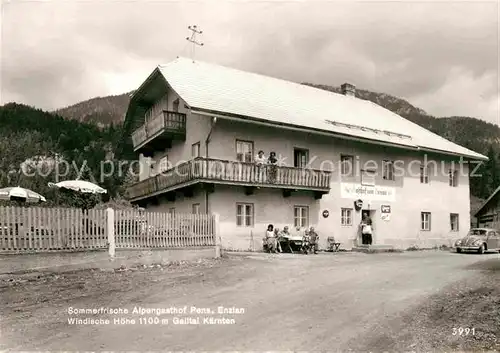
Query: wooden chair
x,y
332,245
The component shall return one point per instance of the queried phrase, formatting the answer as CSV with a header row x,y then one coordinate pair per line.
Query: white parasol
x,y
20,194
79,185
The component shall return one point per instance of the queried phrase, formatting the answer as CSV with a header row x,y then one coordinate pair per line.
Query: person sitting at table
x,y
285,232
277,235
285,236
298,232
270,239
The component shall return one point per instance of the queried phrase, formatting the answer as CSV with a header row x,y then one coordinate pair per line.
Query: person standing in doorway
x,y
366,229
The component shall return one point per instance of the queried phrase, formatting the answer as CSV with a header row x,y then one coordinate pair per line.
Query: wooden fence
x,y
27,229
163,230
41,229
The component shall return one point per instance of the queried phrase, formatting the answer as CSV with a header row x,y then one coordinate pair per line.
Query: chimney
x,y
348,90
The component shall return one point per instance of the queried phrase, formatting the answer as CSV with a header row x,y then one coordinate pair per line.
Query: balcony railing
x,y
164,123
229,172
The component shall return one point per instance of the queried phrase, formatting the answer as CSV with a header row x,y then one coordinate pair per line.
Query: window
x,y
196,208
454,222
346,216
425,218
176,105
171,210
244,214
368,177
388,170
424,174
163,165
195,150
300,158
453,178
244,151
300,216
346,165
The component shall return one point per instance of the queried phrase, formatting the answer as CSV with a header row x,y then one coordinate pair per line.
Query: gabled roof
x,y
213,88
488,200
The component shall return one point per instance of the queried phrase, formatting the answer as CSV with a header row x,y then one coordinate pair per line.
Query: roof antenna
x,y
192,39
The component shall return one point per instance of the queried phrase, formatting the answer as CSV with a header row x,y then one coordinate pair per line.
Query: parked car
x,y
479,240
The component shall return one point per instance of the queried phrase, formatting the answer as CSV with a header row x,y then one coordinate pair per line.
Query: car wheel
x,y
481,249
459,250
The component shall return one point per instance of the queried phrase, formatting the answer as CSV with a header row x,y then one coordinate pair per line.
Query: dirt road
x,y
325,302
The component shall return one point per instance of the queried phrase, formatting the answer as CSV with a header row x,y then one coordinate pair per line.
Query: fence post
x,y
110,219
217,236
252,249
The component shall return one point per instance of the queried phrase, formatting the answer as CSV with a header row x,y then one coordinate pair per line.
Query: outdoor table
x,y
289,240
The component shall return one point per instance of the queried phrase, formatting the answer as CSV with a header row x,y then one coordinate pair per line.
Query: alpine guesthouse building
x,y
197,128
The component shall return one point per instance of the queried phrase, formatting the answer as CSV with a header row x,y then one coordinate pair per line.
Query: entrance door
x,y
371,215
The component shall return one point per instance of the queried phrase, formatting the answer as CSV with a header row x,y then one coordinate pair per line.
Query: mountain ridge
x,y
469,132
101,111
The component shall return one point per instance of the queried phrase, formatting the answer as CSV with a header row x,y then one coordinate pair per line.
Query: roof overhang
x,y
264,122
488,200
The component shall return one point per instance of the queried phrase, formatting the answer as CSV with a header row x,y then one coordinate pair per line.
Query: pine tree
x,y
492,180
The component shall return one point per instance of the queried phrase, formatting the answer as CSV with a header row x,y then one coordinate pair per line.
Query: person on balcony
x,y
272,166
260,161
272,158
260,158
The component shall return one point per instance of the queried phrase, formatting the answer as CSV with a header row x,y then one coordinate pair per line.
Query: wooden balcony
x,y
159,132
214,171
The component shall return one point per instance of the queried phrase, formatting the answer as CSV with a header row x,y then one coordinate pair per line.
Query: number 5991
x,y
463,331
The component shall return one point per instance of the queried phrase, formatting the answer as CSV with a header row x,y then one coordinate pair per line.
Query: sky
x,y
442,56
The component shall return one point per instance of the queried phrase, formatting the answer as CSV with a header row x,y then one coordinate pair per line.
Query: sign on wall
x,y
372,193
326,214
385,212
